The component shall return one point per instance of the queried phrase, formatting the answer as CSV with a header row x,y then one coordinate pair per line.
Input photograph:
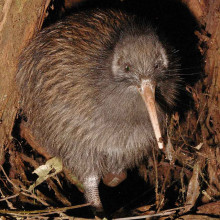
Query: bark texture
x,y
207,14
19,20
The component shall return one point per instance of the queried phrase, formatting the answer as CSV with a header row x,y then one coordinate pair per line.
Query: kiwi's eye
x,y
156,66
127,68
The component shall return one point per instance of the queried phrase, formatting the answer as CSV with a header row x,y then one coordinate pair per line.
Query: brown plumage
x,y
80,83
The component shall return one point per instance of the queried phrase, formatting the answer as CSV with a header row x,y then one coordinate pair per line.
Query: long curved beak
x,y
147,91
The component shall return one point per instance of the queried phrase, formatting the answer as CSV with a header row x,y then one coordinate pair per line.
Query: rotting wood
x,y
17,26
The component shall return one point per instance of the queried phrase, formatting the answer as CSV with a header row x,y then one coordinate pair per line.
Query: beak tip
x,y
160,145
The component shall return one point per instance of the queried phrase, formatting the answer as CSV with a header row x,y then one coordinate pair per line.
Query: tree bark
x,y
207,14
19,21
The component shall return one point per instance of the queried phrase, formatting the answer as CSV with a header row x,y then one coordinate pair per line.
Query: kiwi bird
x,y
95,89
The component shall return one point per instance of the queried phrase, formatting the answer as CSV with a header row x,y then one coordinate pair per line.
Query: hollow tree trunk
x,y
207,14
19,20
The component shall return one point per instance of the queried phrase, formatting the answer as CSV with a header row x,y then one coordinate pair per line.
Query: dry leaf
x,y
193,188
51,168
210,208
